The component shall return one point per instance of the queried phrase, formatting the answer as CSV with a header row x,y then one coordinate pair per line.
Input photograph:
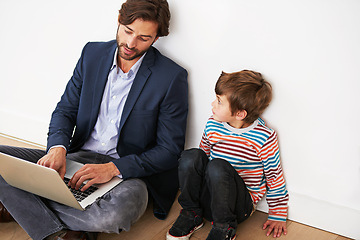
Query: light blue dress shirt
x,y
105,135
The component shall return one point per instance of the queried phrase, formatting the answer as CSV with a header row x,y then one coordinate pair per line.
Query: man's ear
x,y
240,115
155,39
118,22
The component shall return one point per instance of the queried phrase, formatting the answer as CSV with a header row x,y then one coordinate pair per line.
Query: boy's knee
x,y
190,158
217,169
192,153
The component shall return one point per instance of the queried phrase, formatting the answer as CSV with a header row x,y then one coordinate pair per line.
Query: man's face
x,y
134,40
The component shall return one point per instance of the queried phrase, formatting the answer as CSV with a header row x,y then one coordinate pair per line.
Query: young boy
x,y
237,162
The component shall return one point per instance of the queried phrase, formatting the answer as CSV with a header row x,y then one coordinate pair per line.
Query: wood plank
x,y
12,231
148,227
249,229
12,141
301,231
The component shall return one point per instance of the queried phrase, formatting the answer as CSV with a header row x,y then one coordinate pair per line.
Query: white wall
x,y
309,50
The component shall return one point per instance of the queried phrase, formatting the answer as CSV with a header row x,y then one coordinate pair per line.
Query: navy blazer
x,y
152,126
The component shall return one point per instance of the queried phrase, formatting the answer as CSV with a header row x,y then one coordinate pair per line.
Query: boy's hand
x,y
277,226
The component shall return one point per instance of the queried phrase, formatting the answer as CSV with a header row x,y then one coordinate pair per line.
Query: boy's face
x,y
222,113
221,109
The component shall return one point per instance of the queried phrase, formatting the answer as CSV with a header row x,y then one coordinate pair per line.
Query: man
x,y
123,113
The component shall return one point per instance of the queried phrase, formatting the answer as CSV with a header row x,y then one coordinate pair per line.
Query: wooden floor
x,y
150,228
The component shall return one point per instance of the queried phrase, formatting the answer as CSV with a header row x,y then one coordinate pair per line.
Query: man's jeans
x,y
212,189
39,217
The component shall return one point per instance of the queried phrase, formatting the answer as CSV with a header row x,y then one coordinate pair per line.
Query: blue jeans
x,y
40,217
213,189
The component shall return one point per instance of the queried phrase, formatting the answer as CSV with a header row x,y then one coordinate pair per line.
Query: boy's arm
x,y
277,195
204,143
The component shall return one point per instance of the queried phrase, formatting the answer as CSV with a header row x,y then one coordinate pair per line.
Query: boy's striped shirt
x,y
255,155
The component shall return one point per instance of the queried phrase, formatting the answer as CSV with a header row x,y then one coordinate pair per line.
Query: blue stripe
x,y
276,218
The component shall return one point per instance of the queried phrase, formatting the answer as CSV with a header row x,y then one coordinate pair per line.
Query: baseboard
x,y
32,144
321,214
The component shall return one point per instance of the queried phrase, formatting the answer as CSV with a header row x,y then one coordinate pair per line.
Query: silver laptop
x,y
47,183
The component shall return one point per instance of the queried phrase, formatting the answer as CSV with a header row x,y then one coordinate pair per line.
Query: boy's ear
x,y
240,115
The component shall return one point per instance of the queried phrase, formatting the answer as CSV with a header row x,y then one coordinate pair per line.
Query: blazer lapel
x,y
138,84
101,77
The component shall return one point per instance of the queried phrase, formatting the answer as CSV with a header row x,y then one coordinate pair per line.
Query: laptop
x,y
47,183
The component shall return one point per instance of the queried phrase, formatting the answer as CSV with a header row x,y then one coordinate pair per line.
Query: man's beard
x,y
124,56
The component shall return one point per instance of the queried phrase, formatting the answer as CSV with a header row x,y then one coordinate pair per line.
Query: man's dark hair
x,y
147,10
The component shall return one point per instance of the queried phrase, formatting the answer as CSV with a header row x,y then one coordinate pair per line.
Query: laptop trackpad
x,y
72,167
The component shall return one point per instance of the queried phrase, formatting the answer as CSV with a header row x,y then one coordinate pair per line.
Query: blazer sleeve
x,y
63,119
76,113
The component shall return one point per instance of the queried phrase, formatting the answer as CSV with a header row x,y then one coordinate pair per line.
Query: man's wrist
x,y
58,149
115,170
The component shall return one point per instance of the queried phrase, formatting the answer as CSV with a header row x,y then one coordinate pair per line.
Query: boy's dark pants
x,y
213,189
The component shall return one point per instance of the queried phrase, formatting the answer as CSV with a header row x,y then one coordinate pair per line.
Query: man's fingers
x,y
87,185
79,177
80,181
76,178
62,172
41,162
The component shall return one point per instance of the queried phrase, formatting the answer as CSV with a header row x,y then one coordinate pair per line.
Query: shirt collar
x,y
134,69
240,130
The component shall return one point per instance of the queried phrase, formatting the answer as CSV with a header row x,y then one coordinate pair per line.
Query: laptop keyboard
x,y
79,195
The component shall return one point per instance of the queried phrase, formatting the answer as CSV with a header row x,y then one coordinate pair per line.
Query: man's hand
x,y
277,226
94,173
55,159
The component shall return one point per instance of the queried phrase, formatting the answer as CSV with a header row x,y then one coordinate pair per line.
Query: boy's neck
x,y
239,124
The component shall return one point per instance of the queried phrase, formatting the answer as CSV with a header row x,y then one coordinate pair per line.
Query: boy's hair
x,y
147,10
245,90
